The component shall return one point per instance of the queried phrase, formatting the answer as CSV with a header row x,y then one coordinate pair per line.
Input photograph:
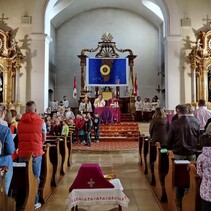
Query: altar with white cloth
x,y
99,196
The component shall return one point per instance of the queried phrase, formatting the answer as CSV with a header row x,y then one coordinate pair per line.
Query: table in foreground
x,y
100,196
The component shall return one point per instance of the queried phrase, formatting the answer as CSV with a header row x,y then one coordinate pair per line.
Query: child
x,y
57,129
71,125
87,129
65,128
48,128
204,171
96,123
79,127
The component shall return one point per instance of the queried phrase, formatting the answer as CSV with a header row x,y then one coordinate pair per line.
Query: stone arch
x,y
171,16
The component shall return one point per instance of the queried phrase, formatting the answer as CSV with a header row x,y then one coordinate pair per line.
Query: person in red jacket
x,y
79,127
31,136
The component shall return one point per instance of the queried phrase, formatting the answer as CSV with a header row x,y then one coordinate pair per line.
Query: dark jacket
x,y
96,122
183,135
158,130
88,126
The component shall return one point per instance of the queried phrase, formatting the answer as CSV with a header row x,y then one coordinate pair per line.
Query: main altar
x,y
107,51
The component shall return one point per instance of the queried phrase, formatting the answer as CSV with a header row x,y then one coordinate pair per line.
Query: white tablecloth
x,y
88,197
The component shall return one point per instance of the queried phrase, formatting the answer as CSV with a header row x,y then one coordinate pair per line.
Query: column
x,y
203,82
193,83
40,71
172,71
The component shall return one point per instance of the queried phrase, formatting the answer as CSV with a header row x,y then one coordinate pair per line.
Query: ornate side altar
x,y
10,58
200,62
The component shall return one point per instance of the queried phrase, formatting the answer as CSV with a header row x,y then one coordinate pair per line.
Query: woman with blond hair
x,y
158,128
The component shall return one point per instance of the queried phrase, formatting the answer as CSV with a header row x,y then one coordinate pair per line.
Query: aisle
x,y
124,166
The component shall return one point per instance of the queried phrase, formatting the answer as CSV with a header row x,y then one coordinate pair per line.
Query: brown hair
x,y
159,113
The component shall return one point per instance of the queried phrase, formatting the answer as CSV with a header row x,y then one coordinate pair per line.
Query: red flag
x,y
135,86
74,88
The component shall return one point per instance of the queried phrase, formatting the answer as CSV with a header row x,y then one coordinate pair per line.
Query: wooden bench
x,y
144,151
25,184
191,200
178,176
63,151
56,160
160,171
46,175
6,203
150,159
69,146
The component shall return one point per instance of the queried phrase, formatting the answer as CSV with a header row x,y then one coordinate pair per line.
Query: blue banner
x,y
107,71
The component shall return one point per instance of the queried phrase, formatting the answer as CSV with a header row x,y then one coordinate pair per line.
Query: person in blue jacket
x,y
7,148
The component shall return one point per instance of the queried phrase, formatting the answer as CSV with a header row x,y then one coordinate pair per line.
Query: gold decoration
x,y
105,70
107,37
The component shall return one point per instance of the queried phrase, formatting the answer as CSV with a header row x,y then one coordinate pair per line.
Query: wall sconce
x,y
26,20
158,89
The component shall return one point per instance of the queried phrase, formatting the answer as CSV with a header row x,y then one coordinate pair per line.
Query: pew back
x,y
26,184
6,203
56,160
160,172
193,194
46,174
177,176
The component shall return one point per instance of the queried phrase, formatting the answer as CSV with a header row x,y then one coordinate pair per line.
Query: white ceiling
x,y
67,9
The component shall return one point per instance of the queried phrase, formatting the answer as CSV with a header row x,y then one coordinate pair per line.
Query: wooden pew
x,y
144,151
69,146
56,160
191,200
140,149
6,203
178,176
160,171
63,151
150,159
46,175
26,185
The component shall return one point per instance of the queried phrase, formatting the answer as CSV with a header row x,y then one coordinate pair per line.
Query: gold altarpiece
x,y
200,62
10,57
106,48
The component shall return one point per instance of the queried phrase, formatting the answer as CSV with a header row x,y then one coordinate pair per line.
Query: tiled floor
x,y
125,166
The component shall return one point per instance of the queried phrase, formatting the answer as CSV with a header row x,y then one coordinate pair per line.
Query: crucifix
x,y
2,19
207,19
91,183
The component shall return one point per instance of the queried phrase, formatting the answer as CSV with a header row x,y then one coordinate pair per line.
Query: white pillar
x,y
172,71
39,73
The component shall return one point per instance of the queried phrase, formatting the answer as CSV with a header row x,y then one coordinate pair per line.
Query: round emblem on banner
x,y
105,69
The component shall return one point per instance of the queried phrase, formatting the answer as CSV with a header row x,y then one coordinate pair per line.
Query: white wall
x,y
129,31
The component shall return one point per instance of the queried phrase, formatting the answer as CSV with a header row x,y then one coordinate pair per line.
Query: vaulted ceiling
x,y
66,9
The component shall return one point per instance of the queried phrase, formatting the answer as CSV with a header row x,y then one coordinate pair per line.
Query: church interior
x,y
46,49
